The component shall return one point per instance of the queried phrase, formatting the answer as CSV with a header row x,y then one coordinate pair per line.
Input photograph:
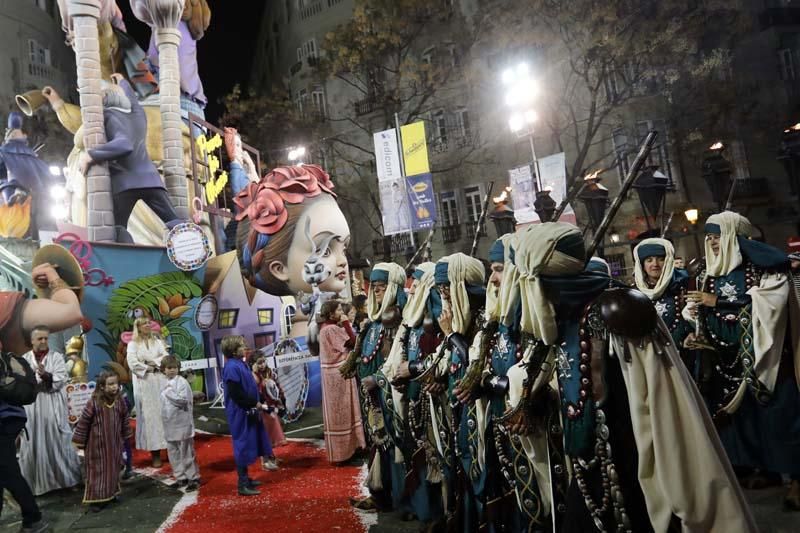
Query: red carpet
x,y
307,494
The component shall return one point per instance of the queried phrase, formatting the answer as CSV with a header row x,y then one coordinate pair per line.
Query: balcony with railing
x,y
451,233
366,105
397,244
471,226
310,10
41,71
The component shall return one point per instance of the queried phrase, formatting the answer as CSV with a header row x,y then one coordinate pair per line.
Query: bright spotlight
x,y
59,212
507,76
531,116
522,70
58,192
516,122
55,170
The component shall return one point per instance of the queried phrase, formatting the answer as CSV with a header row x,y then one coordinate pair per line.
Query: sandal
x,y
364,504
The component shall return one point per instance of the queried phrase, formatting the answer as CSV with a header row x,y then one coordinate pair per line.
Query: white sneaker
x,y
269,464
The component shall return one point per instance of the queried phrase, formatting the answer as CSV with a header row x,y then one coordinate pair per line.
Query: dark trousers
x,y
241,472
10,475
156,199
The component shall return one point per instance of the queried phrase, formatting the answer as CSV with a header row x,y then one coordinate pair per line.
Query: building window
x,y
620,140
462,122
265,317
260,340
455,56
427,55
288,317
307,50
786,62
227,318
37,53
440,126
448,208
318,101
301,100
472,200
659,155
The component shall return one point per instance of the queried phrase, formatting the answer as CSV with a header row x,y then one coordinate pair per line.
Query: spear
x,y
422,246
633,173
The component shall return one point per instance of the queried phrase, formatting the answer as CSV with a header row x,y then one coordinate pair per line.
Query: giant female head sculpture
x,y
286,218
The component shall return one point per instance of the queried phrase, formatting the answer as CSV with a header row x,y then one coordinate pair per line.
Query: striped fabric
x,y
101,430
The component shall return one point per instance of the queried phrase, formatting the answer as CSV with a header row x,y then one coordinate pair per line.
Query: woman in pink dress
x,y
344,433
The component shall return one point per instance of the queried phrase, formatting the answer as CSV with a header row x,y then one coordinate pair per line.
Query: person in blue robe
x,y
385,303
418,339
753,392
243,411
656,276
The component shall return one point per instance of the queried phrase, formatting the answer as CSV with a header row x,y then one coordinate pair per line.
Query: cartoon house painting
x,y
241,309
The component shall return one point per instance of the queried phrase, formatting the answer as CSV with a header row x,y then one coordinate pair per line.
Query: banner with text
x,y
422,201
387,155
395,208
523,194
554,177
415,149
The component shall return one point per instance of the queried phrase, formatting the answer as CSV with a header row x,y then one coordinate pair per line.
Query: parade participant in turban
x,y
656,276
385,304
754,382
635,428
417,340
460,281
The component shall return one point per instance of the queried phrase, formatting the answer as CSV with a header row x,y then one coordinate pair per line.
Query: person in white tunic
x,y
145,352
177,415
47,459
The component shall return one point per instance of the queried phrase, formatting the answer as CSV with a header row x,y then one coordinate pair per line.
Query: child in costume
x,y
176,413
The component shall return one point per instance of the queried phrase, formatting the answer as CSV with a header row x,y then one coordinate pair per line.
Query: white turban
x,y
666,273
536,254
462,270
395,284
730,256
495,297
415,307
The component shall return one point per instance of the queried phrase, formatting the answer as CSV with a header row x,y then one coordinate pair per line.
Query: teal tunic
x,y
765,431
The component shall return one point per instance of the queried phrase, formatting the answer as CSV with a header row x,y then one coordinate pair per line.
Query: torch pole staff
x,y
481,219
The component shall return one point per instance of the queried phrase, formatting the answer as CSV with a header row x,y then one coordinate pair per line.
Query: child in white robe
x,y
178,419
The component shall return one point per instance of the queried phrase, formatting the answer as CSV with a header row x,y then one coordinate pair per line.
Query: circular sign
x,y
187,246
206,312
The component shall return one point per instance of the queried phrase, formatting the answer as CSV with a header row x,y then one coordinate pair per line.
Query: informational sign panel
x,y
523,194
415,149
395,206
78,395
387,155
422,201
187,246
553,169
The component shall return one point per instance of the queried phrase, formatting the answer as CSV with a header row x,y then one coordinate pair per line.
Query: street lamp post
x,y
520,92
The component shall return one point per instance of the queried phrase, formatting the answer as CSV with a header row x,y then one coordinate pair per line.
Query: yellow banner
x,y
415,149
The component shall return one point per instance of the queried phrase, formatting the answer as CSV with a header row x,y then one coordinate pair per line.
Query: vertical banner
x,y
523,194
387,155
415,149
421,200
394,206
554,178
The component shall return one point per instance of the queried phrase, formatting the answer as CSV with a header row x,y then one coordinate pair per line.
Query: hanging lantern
x,y
544,206
595,198
503,219
651,186
717,173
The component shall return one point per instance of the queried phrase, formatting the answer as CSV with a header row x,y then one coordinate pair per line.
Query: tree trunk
x,y
84,14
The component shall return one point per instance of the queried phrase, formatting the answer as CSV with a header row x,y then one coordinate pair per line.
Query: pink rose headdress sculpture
x,y
273,215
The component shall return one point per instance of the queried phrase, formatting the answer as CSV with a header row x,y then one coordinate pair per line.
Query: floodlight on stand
x,y
516,122
58,192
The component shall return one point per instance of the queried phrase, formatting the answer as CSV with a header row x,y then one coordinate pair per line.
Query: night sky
x,y
224,53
